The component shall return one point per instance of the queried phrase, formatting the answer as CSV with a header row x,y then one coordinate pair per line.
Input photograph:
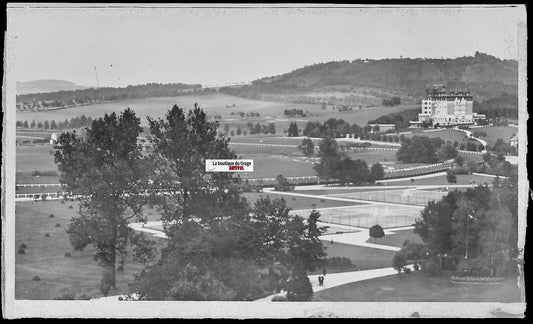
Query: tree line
x,y
76,122
294,112
335,164
218,246
422,149
473,232
95,95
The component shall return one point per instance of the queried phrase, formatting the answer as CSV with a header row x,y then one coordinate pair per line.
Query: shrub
x,y
461,170
279,298
339,262
70,207
21,251
47,235
299,288
416,267
36,278
120,267
399,261
22,246
472,268
407,270
58,225
68,255
431,268
62,201
51,216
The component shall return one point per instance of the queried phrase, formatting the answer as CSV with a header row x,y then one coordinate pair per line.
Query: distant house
x,y
382,128
514,140
53,139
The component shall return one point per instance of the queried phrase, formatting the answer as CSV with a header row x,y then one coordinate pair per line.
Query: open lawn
x,y
495,132
418,287
45,256
270,166
398,238
372,156
297,203
363,258
445,134
216,104
27,177
30,158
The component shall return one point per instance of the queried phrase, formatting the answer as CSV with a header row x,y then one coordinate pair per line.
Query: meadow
x,y
448,135
45,256
495,132
215,104
34,158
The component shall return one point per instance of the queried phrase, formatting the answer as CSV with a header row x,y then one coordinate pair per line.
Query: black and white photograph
x,y
264,161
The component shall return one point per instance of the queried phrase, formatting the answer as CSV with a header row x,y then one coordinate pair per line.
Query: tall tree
x,y
106,173
293,130
307,147
181,144
418,149
377,172
330,157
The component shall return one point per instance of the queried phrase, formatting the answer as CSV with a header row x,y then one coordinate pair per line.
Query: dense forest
x,y
484,75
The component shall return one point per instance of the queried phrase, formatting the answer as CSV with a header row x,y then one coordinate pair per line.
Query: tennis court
x,y
400,196
366,216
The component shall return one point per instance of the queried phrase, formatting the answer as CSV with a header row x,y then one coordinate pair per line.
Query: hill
x,y
43,86
368,82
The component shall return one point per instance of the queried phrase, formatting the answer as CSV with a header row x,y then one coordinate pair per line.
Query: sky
x,y
216,46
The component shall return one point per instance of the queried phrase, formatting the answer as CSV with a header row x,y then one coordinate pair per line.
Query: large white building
x,y
448,108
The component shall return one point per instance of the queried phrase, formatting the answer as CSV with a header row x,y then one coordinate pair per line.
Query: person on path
x,y
320,280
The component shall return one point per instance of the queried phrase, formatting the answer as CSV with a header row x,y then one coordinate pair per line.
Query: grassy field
x,y
45,256
270,166
363,258
371,157
398,238
495,132
297,203
31,158
418,287
446,134
215,104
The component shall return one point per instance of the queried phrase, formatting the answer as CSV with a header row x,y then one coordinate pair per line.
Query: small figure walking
x,y
320,280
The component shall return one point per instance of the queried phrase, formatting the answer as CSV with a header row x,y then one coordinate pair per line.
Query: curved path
x,y
338,279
